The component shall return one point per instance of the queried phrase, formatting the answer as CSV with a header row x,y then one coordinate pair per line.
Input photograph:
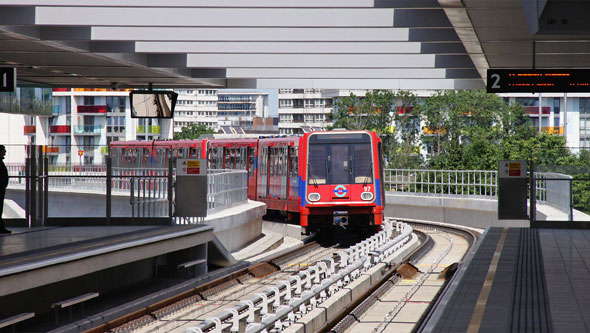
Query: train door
x,y
282,171
251,167
263,172
293,172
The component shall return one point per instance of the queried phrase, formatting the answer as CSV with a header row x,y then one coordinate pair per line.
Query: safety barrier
x,y
291,299
551,188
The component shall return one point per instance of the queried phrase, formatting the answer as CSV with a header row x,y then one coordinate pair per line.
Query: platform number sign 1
x,y
7,79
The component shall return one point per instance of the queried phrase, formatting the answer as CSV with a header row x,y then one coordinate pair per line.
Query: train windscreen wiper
x,y
311,177
368,174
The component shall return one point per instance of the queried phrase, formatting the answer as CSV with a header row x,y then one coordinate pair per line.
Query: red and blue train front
x,y
342,185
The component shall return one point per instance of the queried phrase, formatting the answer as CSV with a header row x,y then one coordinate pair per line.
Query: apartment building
x,y
82,123
303,110
218,108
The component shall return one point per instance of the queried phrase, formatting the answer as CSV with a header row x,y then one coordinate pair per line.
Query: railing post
x,y
28,190
170,195
33,189
533,194
45,190
39,177
108,189
571,212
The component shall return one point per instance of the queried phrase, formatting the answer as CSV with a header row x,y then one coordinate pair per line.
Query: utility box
x,y
512,190
191,188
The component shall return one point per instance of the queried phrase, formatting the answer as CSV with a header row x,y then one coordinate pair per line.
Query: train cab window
x,y
363,166
317,164
339,164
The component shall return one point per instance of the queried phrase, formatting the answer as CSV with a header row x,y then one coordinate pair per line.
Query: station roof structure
x,y
347,44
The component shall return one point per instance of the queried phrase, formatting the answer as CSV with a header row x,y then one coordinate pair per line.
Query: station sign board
x,y
191,167
512,169
7,79
538,80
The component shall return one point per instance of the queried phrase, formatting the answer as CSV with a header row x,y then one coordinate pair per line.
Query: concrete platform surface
x,y
520,279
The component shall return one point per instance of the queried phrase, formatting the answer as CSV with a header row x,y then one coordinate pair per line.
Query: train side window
x,y
212,158
293,158
251,166
283,161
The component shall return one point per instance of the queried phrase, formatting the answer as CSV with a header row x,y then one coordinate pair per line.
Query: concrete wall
x,y
472,212
234,227
239,225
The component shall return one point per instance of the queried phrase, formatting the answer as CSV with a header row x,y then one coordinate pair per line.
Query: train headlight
x,y
313,197
367,196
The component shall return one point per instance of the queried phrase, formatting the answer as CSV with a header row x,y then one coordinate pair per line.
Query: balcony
x,y
50,150
534,110
92,109
29,130
60,129
150,129
403,110
558,130
87,129
61,89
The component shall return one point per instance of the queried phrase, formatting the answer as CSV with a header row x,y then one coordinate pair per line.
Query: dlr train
x,y
318,179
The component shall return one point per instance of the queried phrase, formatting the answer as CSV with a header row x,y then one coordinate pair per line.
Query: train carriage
x,y
278,175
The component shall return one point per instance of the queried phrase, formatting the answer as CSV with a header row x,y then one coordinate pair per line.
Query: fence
x,y
225,189
551,188
147,188
447,182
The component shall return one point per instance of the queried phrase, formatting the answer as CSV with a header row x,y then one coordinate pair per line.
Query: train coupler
x,y
341,218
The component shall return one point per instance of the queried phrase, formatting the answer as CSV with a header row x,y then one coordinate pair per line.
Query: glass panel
x,y
362,164
317,164
340,167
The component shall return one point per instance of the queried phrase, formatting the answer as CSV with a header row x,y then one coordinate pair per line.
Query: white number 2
x,y
496,78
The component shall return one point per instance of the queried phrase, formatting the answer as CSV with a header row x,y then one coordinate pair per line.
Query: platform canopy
x,y
390,44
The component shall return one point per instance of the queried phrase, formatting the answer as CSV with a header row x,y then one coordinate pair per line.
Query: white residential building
x,y
82,124
217,108
303,110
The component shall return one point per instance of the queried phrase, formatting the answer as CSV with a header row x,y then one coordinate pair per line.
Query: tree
x,y
391,116
192,131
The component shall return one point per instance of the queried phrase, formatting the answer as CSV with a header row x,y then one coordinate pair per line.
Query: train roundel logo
x,y
340,191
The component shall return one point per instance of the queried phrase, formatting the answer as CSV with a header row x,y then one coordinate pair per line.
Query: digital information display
x,y
538,80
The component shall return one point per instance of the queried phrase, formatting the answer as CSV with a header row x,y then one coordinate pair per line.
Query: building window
x,y
584,105
556,102
286,103
527,101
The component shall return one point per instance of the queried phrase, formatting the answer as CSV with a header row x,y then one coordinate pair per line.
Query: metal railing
x,y
225,189
447,182
550,188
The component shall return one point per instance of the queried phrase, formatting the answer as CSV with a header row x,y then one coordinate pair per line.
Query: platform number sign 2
x,y
7,79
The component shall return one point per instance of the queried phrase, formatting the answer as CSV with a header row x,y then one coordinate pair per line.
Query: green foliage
x,y
378,111
192,131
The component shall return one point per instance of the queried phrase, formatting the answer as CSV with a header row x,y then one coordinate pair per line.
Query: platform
x,y
520,279
39,266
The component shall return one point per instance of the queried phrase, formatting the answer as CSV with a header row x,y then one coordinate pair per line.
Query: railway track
x,y
196,310
403,302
